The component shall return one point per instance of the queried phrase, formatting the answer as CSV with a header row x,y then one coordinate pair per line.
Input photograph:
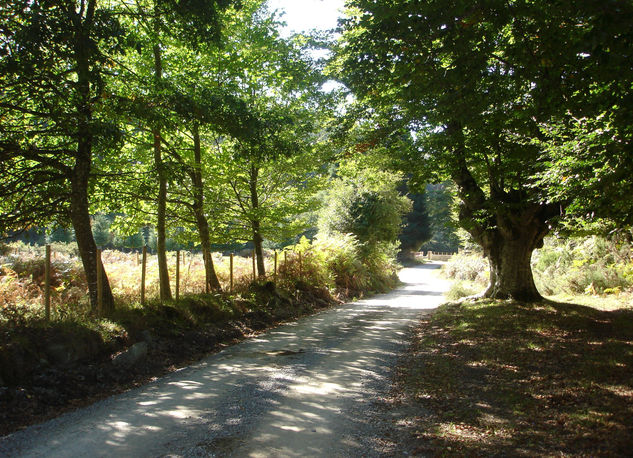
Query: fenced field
x,y
51,277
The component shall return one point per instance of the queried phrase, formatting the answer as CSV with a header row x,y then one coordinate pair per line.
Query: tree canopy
x,y
486,88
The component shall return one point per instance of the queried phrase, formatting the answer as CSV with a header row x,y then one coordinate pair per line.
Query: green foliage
x,y
364,202
53,60
492,93
577,265
591,265
469,267
345,265
416,230
101,230
440,204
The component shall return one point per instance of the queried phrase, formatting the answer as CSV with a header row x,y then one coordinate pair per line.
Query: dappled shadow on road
x,y
515,379
300,389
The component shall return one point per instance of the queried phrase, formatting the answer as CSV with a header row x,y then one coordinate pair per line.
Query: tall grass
x,y
339,264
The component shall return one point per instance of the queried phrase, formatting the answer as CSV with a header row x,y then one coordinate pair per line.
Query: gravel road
x,y
308,388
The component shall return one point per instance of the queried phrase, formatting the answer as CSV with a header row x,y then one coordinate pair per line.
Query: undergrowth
x,y
577,266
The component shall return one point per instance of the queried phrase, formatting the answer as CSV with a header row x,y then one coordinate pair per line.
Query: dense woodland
x,y
197,123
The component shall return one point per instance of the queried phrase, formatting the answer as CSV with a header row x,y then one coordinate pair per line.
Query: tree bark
x,y
80,218
161,231
255,223
80,175
510,255
202,224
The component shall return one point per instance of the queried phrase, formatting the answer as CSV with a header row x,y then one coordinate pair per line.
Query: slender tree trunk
x,y
201,220
80,177
80,218
255,223
161,231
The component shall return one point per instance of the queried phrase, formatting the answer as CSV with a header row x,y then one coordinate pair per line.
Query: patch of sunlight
x,y
186,384
181,413
489,419
534,347
605,303
121,426
458,431
619,390
463,326
292,416
294,429
199,396
318,388
148,403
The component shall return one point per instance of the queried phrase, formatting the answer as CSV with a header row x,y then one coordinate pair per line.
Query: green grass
x,y
505,378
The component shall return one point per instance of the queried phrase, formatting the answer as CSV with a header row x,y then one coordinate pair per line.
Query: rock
x,y
60,353
147,337
133,355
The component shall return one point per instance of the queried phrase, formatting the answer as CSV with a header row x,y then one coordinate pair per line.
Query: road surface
x,y
308,388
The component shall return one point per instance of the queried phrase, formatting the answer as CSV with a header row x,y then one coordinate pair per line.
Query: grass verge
x,y
49,368
509,379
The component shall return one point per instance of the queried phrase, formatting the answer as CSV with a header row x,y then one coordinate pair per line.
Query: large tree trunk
x,y
255,223
202,224
161,231
510,263
79,206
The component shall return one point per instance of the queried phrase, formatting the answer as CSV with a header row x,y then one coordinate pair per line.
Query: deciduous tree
x,y
480,83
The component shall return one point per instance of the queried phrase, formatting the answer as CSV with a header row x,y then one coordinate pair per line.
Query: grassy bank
x,y
508,379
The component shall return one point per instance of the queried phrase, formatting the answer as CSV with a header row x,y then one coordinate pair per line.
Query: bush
x,y
468,267
589,265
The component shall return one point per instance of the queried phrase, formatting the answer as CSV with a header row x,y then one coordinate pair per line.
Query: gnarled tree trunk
x,y
509,249
505,223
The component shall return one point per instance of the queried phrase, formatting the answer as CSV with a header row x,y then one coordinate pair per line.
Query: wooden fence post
x,y
275,268
177,275
254,270
231,272
99,284
206,256
300,265
47,283
143,268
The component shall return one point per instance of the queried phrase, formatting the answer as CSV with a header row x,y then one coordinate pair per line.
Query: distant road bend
x,y
302,389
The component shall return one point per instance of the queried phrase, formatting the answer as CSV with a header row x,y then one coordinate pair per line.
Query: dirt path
x,y
303,389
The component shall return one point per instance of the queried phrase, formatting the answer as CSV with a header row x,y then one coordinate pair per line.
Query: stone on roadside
x,y
133,355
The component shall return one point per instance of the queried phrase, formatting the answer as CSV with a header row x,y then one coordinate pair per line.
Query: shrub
x,y
589,265
468,267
